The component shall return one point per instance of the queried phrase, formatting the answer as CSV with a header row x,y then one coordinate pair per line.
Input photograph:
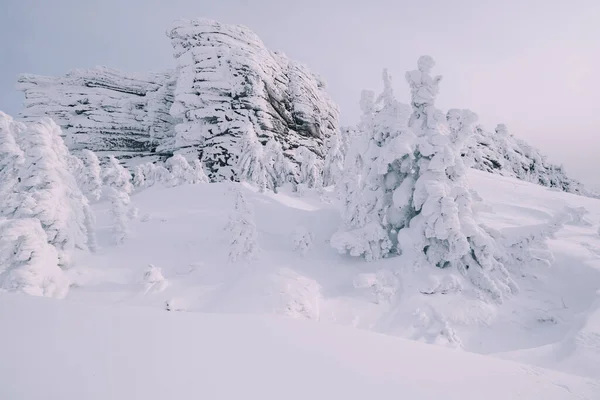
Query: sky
x,y
531,64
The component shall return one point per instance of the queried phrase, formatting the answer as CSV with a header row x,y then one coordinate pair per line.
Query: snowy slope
x,y
552,322
75,351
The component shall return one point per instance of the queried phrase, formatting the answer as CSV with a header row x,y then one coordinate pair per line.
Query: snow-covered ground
x,y
553,322
67,350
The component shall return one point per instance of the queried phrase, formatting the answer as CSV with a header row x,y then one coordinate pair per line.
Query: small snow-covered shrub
x,y
382,284
182,172
153,279
303,240
300,295
150,174
241,229
432,327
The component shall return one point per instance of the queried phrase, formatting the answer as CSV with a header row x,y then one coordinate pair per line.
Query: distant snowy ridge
x,y
228,88
499,152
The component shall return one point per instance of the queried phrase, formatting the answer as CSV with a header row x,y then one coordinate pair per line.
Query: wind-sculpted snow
x,y
102,109
227,86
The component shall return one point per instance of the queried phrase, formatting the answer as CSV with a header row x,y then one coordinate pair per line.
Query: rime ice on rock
x,y
102,109
230,85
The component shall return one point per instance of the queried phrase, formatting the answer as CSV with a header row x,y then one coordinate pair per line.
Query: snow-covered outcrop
x,y
102,109
500,152
227,86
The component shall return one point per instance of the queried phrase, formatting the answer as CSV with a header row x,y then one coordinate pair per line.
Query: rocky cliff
x,y
499,152
103,109
230,84
227,84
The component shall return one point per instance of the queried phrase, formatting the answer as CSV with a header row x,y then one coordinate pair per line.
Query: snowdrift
x,y
75,351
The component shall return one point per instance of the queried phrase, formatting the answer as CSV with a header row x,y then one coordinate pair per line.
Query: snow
x,y
552,322
74,351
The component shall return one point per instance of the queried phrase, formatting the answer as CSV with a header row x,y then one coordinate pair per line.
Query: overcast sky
x,y
533,65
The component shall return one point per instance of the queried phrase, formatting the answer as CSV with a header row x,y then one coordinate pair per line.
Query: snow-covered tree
x,y
443,231
149,174
153,280
279,169
117,182
356,140
383,285
139,178
413,198
242,230
48,191
199,174
28,263
309,175
334,161
252,166
181,171
89,175
11,157
303,240
377,174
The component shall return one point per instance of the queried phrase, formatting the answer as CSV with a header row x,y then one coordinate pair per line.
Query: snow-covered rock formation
x,y
227,86
230,85
102,109
499,152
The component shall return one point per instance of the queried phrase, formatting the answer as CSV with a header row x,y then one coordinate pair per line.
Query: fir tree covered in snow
x,y
90,175
443,232
310,170
241,229
378,172
184,173
199,174
278,168
334,161
48,191
118,187
28,263
252,166
11,158
413,198
149,174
